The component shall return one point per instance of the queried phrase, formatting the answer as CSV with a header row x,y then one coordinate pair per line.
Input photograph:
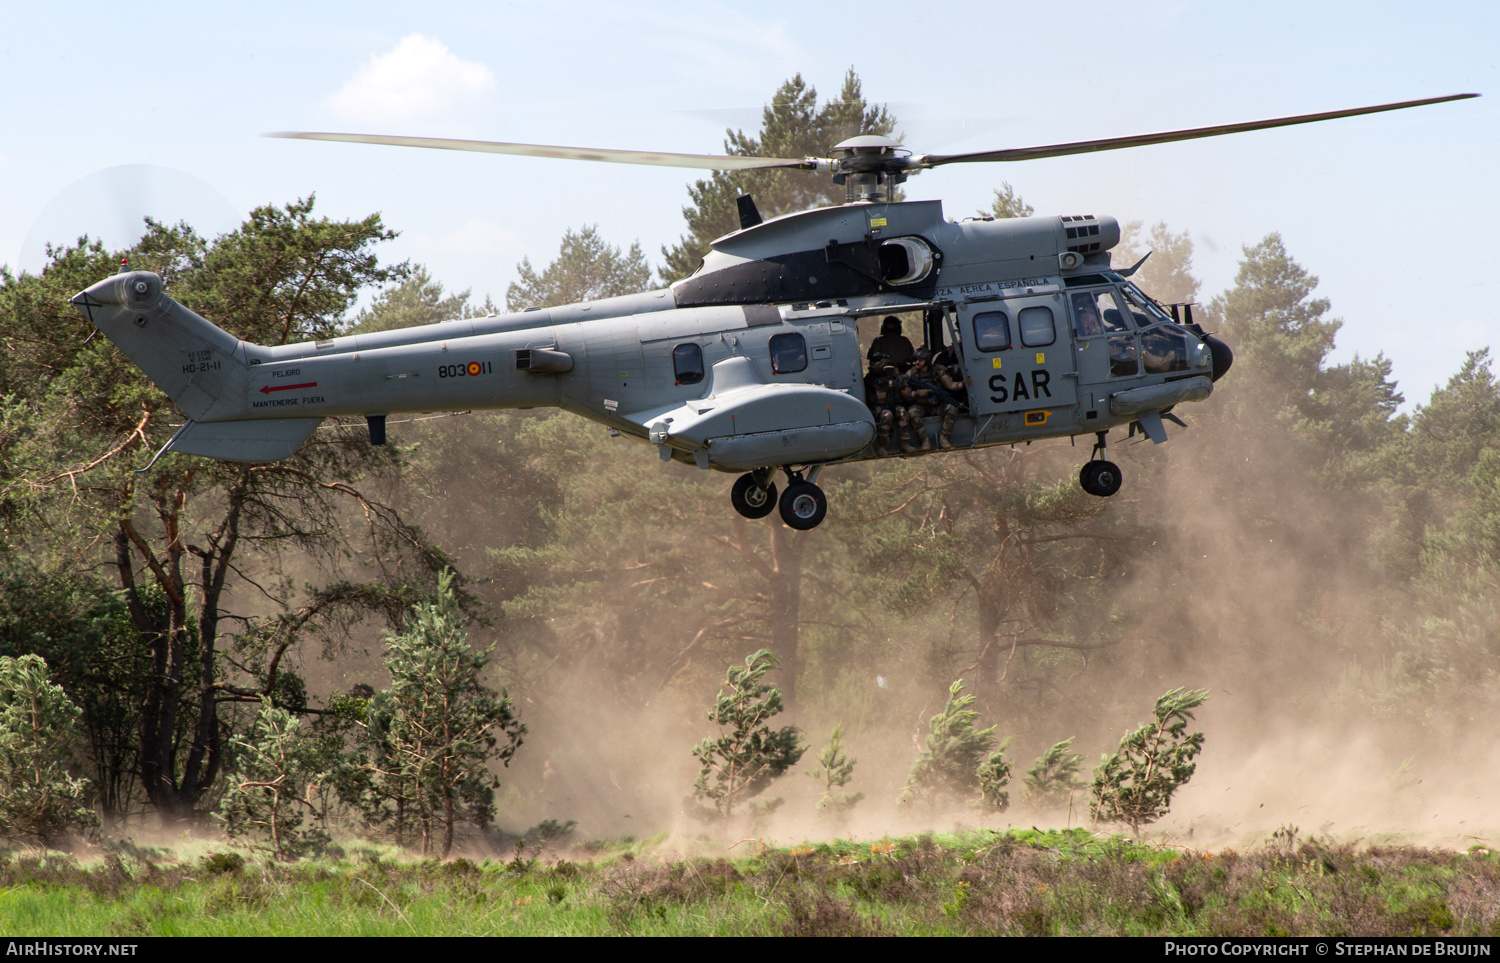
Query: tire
x,y
750,500
803,506
1100,478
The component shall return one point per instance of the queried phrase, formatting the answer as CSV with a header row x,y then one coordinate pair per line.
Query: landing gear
x,y
1100,476
754,494
803,505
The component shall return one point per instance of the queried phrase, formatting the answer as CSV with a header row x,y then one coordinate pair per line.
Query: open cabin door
x,y
1018,355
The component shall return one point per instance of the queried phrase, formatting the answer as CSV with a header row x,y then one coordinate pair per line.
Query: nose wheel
x,y
1099,476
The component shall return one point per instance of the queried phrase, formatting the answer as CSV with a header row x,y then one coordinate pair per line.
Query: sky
x,y
115,111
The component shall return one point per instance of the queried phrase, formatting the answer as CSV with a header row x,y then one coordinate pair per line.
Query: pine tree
x,y
1008,203
835,769
748,754
959,761
272,787
586,268
1136,782
40,801
1053,778
430,737
794,126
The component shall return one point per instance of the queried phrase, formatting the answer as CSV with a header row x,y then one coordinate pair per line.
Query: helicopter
x,y
751,365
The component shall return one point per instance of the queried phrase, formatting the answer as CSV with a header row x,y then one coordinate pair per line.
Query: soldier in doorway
x,y
883,395
932,390
892,345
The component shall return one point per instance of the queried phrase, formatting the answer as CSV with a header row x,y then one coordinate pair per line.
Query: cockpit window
x,y
1164,350
1037,327
1096,312
687,364
1139,303
992,331
788,354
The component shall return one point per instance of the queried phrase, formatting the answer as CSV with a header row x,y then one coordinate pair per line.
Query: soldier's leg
x,y
885,418
945,434
903,419
913,432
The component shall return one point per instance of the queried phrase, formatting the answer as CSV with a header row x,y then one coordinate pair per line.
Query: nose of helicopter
x,y
1222,357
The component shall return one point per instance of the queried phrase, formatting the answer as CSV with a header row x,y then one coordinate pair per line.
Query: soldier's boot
x,y
883,433
926,442
906,446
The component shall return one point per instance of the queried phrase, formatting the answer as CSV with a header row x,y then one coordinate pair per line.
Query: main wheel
x,y
803,506
749,499
1100,478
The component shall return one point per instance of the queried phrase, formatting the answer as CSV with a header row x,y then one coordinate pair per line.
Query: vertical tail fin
x,y
201,367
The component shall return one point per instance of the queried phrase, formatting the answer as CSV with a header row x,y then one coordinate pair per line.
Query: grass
x,y
1064,882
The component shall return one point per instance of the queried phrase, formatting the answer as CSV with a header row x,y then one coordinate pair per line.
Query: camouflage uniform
x,y
919,389
883,394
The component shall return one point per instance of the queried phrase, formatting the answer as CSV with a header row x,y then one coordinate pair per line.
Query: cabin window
x,y
1037,327
687,364
992,331
788,354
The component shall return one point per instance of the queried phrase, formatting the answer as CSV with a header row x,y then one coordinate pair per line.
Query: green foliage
x,y
993,775
792,125
429,739
748,754
835,769
416,301
1008,203
81,628
40,801
586,269
1053,778
1167,274
959,761
1135,783
272,787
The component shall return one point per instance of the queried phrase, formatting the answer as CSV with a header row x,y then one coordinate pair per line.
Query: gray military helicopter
x,y
753,363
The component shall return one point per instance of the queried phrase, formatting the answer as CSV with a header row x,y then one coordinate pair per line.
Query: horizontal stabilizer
x,y
257,440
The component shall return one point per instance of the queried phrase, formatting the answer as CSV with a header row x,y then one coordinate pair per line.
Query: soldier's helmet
x,y
891,325
923,355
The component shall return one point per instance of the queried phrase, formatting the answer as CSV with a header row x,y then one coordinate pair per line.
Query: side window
x,y
687,364
991,331
1037,327
788,354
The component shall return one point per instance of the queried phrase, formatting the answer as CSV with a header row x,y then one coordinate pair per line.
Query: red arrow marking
x,y
268,389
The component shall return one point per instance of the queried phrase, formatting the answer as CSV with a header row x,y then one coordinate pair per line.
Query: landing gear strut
x,y
1100,476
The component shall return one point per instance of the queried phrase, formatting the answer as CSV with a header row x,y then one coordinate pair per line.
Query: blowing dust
x,y
1260,584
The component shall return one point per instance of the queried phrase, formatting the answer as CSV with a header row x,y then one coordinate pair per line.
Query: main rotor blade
x,y
1167,137
713,162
